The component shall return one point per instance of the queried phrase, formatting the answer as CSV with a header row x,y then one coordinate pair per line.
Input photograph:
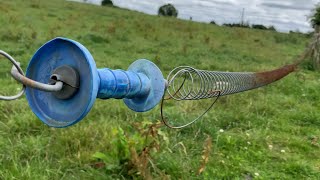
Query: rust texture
x,y
267,77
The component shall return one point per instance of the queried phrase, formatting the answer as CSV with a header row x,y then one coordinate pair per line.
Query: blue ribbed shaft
x,y
121,84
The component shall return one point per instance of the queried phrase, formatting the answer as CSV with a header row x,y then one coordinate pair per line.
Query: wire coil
x,y
187,83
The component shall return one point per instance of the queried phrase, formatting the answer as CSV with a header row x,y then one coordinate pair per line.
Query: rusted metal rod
x,y
267,77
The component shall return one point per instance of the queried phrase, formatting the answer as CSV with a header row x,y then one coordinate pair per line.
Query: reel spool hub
x,y
67,61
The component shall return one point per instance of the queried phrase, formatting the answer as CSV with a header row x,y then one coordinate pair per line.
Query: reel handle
x,y
121,84
141,87
62,83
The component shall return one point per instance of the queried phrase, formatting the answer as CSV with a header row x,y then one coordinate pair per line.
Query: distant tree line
x,y
253,26
247,25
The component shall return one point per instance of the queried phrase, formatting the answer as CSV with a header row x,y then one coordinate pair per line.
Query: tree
x,y
213,22
315,18
313,51
259,26
272,28
107,3
168,10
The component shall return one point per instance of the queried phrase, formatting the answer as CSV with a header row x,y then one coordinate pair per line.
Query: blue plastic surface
x,y
121,84
52,111
157,86
141,86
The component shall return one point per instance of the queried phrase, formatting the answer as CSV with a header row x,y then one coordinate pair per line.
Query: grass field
x,y
268,133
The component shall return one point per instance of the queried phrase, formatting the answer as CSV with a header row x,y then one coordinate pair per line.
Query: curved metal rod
x,y
18,74
191,122
190,94
17,65
35,84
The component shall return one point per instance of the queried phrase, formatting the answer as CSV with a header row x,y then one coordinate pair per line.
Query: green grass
x,y
269,133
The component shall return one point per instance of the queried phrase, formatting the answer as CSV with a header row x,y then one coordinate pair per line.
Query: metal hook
x,y
35,84
18,74
20,71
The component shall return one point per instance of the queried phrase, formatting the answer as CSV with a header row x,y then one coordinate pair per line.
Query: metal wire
x,y
187,83
189,123
17,66
202,84
35,84
18,74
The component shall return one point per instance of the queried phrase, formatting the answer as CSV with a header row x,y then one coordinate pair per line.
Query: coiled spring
x,y
187,83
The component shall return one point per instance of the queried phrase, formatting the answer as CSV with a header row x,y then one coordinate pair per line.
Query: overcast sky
x,y
285,15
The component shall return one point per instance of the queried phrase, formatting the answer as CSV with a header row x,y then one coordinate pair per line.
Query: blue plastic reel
x,y
141,87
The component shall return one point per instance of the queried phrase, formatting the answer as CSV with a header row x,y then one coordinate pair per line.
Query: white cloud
x,y
285,15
